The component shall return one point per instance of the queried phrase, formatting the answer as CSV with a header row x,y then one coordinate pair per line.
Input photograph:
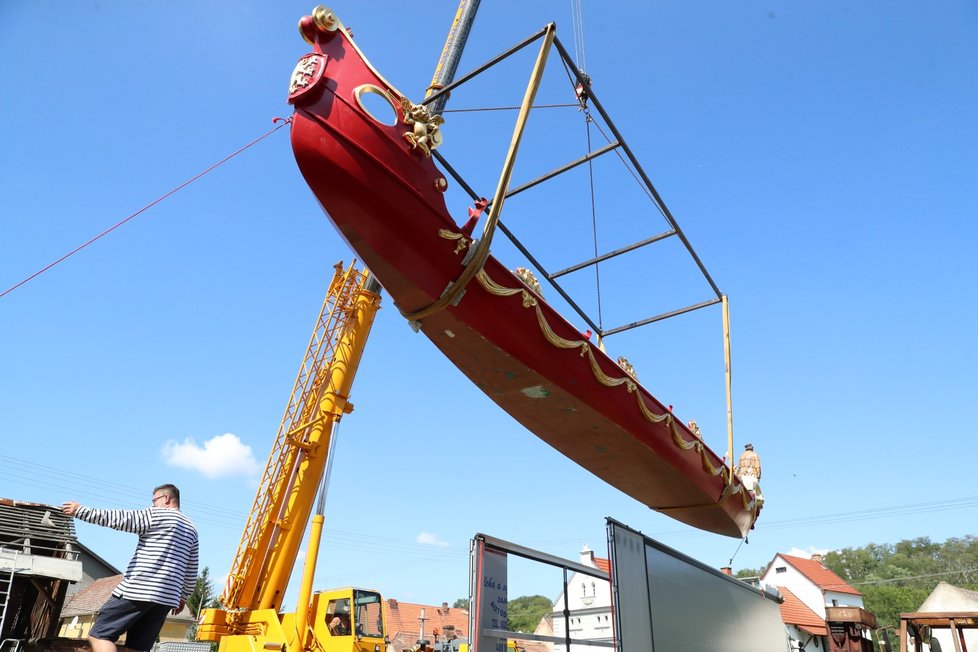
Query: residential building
x,y
589,606
38,560
818,604
405,621
93,568
79,613
947,598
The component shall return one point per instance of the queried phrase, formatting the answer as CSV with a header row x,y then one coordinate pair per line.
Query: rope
x,y
510,108
742,542
146,207
580,56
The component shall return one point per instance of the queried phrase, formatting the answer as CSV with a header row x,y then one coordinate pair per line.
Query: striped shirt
x,y
164,567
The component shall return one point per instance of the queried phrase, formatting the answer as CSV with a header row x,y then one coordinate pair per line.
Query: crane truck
x,y
347,619
661,599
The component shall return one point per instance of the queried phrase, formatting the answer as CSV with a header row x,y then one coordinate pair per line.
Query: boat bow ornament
x,y
425,134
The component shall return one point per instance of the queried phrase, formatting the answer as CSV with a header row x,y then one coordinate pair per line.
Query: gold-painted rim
x,y
377,90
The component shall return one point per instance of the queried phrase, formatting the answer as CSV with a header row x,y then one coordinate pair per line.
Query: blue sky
x,y
821,157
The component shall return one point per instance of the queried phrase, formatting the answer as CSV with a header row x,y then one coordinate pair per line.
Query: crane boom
x,y
284,501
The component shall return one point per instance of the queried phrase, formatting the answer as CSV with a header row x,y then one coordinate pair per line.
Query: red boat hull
x,y
383,196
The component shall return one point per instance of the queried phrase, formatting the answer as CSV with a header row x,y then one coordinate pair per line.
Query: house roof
x,y
820,576
797,613
947,597
91,598
603,564
405,618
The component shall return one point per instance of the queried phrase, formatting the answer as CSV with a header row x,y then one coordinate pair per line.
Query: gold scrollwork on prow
x,y
321,20
425,134
461,242
695,429
325,19
627,367
527,277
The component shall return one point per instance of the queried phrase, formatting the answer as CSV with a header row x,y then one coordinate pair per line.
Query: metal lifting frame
x,y
437,99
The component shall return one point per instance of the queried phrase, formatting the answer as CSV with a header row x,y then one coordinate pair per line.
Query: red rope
x,y
146,207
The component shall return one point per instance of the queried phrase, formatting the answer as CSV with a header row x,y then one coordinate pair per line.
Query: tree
x,y
524,613
202,597
749,572
202,594
461,603
895,578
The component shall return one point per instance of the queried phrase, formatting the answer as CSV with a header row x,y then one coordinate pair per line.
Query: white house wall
x,y
803,641
589,602
806,590
797,583
843,599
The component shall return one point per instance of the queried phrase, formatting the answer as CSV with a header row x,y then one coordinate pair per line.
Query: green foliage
x,y
203,592
897,578
524,613
201,597
749,572
461,603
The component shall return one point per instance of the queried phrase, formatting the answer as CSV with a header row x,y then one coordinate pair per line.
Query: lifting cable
x,y
577,17
580,61
742,542
283,121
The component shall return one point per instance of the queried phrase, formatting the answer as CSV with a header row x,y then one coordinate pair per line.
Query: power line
x,y
47,477
39,475
910,577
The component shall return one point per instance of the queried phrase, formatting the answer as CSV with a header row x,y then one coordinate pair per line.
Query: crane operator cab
x,y
350,620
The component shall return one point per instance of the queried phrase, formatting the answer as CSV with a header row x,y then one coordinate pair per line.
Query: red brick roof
x,y
821,576
603,564
405,618
797,613
90,599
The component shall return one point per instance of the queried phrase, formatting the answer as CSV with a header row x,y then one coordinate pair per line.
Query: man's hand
x,y
70,507
179,607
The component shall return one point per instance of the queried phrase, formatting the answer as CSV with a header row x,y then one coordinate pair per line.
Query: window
x,y
781,569
338,617
369,618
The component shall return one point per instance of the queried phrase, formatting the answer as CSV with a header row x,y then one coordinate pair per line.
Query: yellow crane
x,y
338,620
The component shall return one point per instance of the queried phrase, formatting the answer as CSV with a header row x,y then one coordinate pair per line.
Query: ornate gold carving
x,y
461,241
425,134
626,366
748,500
325,19
527,277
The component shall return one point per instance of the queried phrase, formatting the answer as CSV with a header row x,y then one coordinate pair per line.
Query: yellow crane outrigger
x,y
338,620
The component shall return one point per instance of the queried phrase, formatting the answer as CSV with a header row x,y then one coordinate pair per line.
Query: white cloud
x,y
428,539
219,456
808,552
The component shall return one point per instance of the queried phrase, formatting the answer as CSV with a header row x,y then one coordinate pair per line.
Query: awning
x,y
816,630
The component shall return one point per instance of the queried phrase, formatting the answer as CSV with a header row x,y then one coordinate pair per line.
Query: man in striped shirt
x,y
160,575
